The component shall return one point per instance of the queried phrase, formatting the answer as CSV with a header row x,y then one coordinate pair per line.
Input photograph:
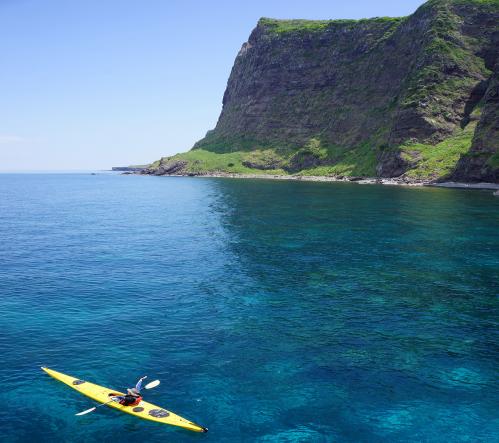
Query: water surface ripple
x,y
271,311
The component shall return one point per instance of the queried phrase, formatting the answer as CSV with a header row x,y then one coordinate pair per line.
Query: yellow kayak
x,y
143,410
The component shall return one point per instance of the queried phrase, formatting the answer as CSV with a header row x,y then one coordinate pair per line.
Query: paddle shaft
x,y
150,385
103,404
88,411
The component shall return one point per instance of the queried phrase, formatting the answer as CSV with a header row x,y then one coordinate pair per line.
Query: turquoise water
x,y
271,311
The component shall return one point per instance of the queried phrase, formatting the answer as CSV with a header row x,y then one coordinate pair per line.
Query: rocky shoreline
x,y
360,180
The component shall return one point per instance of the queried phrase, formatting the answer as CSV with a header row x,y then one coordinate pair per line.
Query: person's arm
x,y
138,386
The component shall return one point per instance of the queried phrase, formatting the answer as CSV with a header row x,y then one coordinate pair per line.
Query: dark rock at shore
x,y
259,165
169,167
128,168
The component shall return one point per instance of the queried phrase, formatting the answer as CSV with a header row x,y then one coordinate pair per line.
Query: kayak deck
x,y
143,410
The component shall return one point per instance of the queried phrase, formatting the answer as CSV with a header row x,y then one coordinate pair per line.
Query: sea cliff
x,y
414,98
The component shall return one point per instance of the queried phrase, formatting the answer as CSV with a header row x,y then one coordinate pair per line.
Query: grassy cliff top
x,y
475,2
281,26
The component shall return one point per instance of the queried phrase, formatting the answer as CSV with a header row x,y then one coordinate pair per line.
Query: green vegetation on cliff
x,y
312,159
413,97
284,26
426,161
201,162
432,162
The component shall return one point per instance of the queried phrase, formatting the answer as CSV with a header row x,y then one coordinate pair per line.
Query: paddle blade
x,y
87,411
153,384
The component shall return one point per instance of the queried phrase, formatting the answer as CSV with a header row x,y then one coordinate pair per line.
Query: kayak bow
x,y
144,410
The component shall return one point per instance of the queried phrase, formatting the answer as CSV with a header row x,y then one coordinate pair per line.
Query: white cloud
x,y
8,139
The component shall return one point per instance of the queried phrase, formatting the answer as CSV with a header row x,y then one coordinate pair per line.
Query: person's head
x,y
133,392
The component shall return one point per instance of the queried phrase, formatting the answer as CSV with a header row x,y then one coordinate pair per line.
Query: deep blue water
x,y
271,311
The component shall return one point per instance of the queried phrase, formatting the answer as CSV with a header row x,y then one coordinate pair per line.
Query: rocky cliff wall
x,y
371,89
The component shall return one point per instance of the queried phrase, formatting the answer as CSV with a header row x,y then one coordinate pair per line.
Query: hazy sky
x,y
92,84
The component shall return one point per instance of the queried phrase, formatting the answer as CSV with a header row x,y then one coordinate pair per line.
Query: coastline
x,y
320,178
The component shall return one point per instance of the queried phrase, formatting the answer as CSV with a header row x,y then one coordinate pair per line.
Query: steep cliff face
x,y
385,96
482,160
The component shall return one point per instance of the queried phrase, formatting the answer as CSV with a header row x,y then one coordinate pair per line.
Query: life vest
x,y
130,400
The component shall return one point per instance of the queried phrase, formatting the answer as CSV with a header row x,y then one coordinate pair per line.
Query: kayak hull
x,y
144,410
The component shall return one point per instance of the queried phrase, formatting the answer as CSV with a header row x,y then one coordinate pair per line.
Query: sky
x,y
99,83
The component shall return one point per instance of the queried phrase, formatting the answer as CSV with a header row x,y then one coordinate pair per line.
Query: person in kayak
x,y
133,397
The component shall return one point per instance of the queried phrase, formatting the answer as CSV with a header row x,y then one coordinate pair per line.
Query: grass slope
x,y
200,161
438,161
429,162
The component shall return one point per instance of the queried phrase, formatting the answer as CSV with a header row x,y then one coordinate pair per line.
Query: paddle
x,y
150,385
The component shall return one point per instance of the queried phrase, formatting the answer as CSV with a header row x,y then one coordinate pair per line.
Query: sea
x,y
271,311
